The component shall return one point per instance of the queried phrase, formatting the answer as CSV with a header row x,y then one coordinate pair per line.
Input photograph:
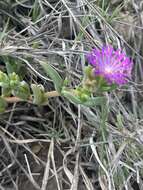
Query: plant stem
x,y
15,99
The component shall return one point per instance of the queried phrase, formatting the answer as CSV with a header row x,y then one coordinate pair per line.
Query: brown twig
x,y
15,99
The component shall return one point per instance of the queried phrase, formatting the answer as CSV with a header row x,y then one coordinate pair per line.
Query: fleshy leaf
x,y
90,102
39,96
22,91
71,97
54,75
5,91
4,80
94,101
14,80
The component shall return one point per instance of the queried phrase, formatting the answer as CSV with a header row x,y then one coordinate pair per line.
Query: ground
x,y
62,145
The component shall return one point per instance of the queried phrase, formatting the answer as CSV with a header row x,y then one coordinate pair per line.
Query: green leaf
x,y
11,64
6,91
108,88
36,11
54,75
22,91
14,66
94,101
71,97
3,104
4,80
90,102
14,80
39,96
103,85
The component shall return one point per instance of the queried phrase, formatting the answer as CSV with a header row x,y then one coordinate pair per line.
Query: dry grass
x,y
63,146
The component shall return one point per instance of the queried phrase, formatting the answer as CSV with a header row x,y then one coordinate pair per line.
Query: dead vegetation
x,y
64,146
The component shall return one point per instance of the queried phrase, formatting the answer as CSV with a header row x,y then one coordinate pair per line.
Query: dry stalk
x,y
15,99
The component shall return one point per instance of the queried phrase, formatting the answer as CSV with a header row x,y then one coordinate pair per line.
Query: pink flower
x,y
111,64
